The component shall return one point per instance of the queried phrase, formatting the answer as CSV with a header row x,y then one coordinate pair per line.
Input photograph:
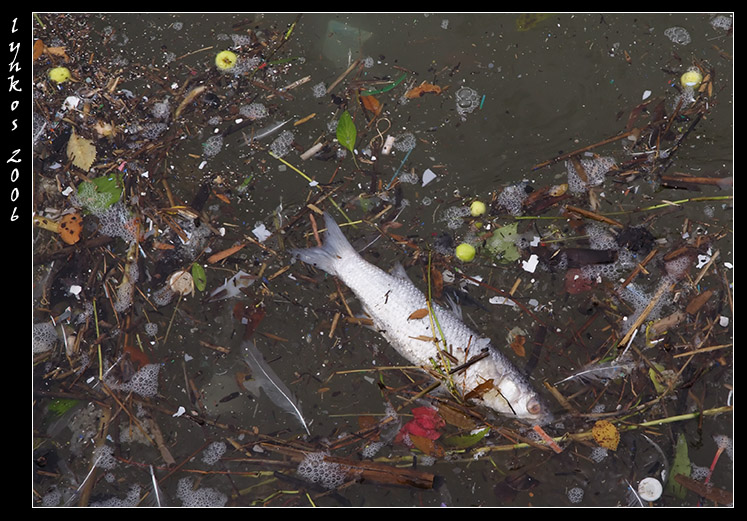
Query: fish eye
x,y
534,406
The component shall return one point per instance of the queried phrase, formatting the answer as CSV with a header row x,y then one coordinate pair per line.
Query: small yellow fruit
x,y
465,252
691,78
477,208
59,74
226,60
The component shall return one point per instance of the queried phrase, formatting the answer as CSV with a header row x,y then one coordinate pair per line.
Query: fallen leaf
x,y
81,151
517,344
606,434
418,313
70,227
427,446
38,49
422,89
57,51
480,390
371,104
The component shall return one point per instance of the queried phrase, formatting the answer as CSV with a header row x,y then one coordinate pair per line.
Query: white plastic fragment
x,y
428,176
646,94
261,232
181,410
650,489
387,148
501,300
531,264
723,321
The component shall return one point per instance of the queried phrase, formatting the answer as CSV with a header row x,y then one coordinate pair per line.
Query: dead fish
x,y
391,299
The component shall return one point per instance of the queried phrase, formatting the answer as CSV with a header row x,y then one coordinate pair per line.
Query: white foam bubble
x,y
43,337
315,469
200,498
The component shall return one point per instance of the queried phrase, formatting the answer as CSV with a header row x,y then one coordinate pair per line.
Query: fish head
x,y
517,399
511,393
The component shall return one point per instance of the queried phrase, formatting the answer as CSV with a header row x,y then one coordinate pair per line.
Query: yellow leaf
x,y
81,151
606,434
418,313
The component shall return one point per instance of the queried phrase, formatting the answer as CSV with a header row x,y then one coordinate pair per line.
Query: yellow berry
x,y
59,74
477,208
465,252
691,78
226,60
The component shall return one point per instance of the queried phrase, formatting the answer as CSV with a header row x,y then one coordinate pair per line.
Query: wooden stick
x,y
584,149
595,216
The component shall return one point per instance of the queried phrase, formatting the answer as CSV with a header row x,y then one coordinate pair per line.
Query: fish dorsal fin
x,y
398,270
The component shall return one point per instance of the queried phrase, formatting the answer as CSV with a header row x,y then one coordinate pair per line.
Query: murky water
x,y
543,88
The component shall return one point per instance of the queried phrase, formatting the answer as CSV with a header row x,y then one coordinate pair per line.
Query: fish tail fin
x,y
335,249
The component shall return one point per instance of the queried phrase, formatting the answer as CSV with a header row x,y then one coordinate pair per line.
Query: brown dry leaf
x,y
517,344
418,313
456,418
437,282
57,51
38,48
371,104
427,446
81,151
421,89
480,390
606,434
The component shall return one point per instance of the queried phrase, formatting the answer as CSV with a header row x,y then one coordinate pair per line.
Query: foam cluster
x,y
214,452
152,131
151,329
144,382
575,495
116,221
282,144
132,499
43,337
161,109
318,90
202,497
405,142
212,145
454,216
677,267
467,100
103,457
595,170
313,468
254,111
126,290
512,198
678,35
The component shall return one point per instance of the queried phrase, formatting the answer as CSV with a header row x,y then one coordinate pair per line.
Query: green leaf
x,y
100,193
502,243
467,440
681,465
199,277
346,132
60,406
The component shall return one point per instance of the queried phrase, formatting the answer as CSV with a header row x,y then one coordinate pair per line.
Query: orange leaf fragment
x,y
422,89
517,344
70,227
225,253
371,104
418,313
38,49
